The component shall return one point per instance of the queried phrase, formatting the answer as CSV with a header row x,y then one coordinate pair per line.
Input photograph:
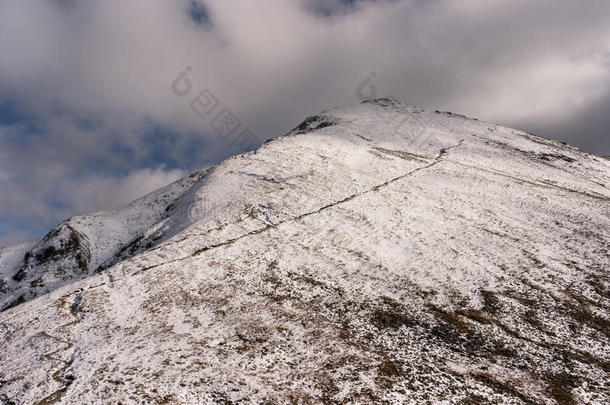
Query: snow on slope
x,y
84,244
379,254
11,258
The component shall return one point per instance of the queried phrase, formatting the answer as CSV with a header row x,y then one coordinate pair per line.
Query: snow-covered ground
x,y
379,253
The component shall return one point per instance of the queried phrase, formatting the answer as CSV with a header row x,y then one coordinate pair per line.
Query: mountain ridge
x,y
377,253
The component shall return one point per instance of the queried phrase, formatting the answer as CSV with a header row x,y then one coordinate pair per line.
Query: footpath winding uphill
x,y
58,375
379,253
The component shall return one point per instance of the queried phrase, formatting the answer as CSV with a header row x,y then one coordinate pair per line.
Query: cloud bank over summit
x,y
88,118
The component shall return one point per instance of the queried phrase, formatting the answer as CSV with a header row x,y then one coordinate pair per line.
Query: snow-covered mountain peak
x,y
379,253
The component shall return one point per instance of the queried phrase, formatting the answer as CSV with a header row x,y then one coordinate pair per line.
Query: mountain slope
x,y
379,253
83,245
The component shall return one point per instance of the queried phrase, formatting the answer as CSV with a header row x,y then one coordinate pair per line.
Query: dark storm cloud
x,y
86,102
330,8
199,13
587,127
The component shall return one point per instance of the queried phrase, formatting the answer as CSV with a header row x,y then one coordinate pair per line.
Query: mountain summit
x,y
379,253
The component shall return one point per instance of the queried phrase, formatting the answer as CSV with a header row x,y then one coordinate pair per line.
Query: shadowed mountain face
x,y
376,254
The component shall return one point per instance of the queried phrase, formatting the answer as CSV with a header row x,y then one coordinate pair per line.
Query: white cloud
x,y
102,193
117,58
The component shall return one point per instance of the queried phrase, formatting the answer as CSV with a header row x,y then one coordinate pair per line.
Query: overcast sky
x,y
90,117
